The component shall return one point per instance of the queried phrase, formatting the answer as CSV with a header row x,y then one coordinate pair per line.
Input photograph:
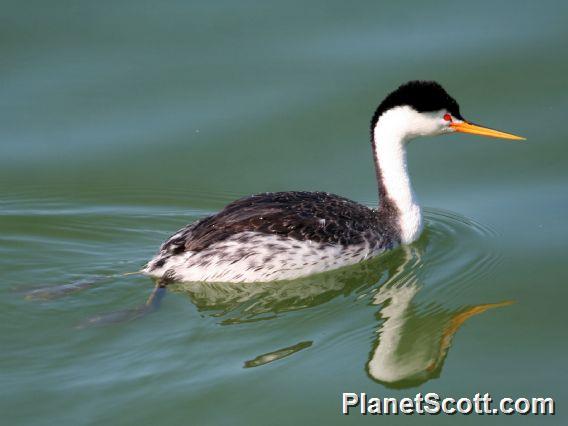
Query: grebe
x,y
288,235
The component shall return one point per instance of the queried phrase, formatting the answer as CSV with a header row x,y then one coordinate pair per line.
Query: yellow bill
x,y
465,127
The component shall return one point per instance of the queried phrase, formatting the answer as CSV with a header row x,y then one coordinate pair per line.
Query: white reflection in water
x,y
411,343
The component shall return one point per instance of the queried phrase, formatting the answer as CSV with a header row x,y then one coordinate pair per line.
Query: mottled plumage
x,y
266,234
317,216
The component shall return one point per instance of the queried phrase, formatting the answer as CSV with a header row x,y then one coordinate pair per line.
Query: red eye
x,y
447,117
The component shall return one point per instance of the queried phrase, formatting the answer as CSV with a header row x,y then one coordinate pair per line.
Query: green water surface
x,y
121,122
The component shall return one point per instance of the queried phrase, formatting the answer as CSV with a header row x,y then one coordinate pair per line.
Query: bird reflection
x,y
411,345
412,340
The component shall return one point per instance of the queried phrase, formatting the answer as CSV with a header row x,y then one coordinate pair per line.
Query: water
x,y
122,122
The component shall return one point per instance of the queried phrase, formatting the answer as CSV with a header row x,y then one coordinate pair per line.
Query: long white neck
x,y
389,138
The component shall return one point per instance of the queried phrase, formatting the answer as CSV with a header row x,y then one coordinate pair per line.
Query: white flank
x,y
259,257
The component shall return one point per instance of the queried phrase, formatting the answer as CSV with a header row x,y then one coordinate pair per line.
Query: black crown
x,y
423,96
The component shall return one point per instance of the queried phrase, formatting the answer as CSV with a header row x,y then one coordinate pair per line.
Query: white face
x,y
412,123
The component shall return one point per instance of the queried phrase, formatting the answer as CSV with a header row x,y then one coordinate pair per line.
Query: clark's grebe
x,y
287,235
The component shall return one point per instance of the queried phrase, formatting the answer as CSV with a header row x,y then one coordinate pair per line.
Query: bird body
x,y
282,235
288,235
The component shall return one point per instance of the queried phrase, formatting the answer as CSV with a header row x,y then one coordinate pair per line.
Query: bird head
x,y
424,108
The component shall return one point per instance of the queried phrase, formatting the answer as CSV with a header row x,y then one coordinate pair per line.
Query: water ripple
x,y
409,302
